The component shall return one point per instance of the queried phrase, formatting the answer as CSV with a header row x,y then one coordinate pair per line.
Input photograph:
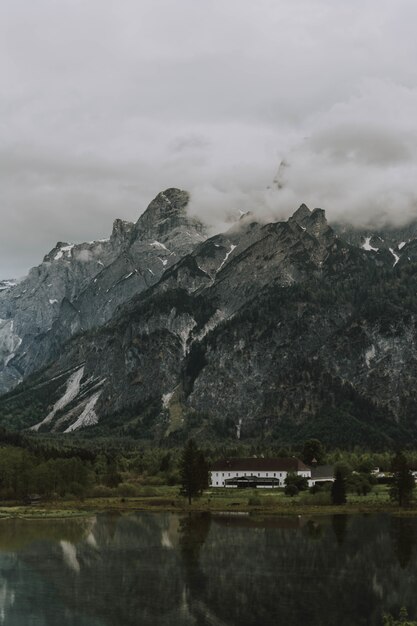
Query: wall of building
x,y
218,478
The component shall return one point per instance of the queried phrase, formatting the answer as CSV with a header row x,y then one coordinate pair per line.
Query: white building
x,y
256,472
321,474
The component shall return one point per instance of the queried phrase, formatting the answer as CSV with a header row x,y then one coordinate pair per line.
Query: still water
x,y
166,569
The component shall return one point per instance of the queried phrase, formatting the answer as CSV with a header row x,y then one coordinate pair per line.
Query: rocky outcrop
x,y
79,287
281,330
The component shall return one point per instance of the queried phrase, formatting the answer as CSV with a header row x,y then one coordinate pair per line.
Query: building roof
x,y
259,464
323,471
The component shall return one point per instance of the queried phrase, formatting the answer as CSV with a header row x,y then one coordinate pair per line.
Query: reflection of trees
x,y
314,529
170,570
126,574
403,539
287,576
339,524
194,529
16,534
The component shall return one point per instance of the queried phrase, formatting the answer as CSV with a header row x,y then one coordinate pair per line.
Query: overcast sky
x,y
105,103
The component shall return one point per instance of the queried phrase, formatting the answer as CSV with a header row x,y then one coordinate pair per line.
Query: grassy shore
x,y
167,499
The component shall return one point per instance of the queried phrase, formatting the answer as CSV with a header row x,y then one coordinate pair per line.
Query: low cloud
x,y
250,106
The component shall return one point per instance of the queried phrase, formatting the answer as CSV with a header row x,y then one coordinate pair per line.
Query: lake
x,y
167,569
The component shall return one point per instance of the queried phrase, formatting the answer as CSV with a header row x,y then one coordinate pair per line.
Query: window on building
x,y
267,473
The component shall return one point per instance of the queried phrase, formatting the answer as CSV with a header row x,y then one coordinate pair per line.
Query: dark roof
x,y
256,464
322,471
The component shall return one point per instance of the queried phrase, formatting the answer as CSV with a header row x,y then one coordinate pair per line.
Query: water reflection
x,y
165,569
194,529
403,533
339,525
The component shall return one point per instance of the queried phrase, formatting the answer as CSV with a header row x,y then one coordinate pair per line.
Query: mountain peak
x,y
314,222
167,212
122,231
165,208
301,214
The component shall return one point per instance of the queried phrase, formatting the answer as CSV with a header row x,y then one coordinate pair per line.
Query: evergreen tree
x,y
403,619
338,493
403,483
313,450
194,475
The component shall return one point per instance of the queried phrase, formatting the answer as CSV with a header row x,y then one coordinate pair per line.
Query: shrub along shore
x,y
167,499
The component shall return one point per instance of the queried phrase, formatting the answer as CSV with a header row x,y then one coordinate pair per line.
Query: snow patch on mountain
x,y
71,392
7,284
232,247
367,246
369,355
64,250
396,257
88,417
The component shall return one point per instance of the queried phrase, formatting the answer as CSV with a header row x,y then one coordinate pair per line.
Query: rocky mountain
x,y
79,287
282,330
399,241
7,284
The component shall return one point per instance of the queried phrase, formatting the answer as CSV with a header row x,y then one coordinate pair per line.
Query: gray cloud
x,y
103,104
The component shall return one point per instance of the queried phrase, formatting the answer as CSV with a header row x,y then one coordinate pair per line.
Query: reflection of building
x,y
248,520
256,472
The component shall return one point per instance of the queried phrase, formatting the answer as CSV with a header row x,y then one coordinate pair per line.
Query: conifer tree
x,y
338,493
193,471
403,481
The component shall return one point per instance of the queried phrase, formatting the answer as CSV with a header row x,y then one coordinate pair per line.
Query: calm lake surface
x,y
167,569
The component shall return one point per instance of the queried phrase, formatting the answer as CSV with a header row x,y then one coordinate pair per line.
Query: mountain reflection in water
x,y
167,569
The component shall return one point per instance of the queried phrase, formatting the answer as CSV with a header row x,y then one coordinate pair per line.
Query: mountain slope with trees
x,y
280,331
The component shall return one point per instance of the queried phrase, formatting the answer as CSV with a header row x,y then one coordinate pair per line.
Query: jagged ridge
x,y
282,330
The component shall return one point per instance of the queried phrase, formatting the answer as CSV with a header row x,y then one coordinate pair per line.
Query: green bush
x,y
173,478
147,492
127,490
359,484
102,491
155,481
291,490
254,501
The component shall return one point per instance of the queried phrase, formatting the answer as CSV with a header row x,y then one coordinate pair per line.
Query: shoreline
x,y
59,509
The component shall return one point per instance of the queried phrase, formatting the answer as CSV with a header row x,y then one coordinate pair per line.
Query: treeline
x,y
31,467
64,467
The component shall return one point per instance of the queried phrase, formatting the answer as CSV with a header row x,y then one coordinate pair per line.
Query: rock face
x,y
79,287
396,243
281,330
